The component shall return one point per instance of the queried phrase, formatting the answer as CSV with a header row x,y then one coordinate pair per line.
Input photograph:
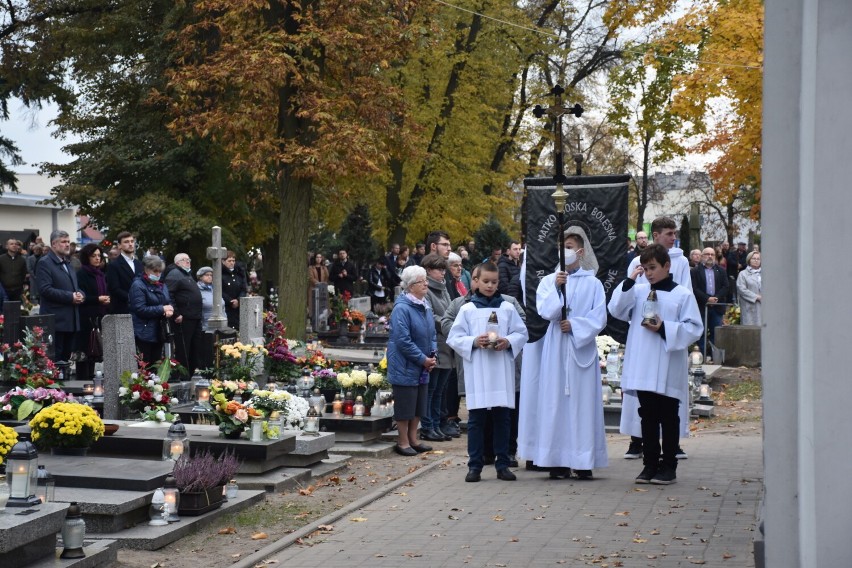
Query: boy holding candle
x,y
655,362
489,369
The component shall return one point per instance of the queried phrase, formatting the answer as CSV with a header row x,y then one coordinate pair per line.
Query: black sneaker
x,y
634,451
647,474
431,436
473,476
557,472
583,474
680,454
665,476
443,434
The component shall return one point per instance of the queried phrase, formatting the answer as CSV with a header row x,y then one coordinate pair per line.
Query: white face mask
x,y
570,257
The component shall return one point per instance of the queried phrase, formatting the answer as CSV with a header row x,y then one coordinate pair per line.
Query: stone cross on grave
x,y
216,253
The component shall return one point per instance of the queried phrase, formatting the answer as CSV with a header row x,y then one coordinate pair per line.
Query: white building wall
x,y
23,211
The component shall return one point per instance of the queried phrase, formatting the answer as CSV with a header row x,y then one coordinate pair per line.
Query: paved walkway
x,y
707,518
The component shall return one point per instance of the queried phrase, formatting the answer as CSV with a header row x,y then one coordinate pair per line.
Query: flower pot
x,y
197,503
69,451
233,435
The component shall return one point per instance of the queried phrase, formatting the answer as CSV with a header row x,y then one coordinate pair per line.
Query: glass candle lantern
x,y
337,406
176,442
157,512
202,395
305,383
88,389
649,309
46,485
492,330
232,489
22,475
317,401
312,422
704,395
358,408
98,390
696,359
256,431
273,425
73,533
171,499
606,393
348,405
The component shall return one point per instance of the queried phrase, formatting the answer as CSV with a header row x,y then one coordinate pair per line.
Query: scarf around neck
x,y
481,301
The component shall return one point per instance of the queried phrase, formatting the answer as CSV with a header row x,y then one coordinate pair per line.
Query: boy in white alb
x,y
655,361
663,232
489,369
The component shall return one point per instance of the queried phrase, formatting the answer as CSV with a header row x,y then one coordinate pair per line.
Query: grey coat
x,y
57,282
439,299
748,289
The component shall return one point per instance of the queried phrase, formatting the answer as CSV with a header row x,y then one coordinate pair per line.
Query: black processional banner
x,y
596,203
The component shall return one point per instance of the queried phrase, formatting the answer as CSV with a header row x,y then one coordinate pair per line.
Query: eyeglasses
x,y
420,282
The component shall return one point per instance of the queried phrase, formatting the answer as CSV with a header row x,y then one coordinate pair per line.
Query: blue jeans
x,y
501,417
437,388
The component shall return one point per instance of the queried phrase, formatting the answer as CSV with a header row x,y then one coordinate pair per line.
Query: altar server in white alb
x,y
663,232
655,361
488,334
564,425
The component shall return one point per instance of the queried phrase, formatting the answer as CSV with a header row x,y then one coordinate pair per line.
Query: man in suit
x,y
121,272
60,296
343,274
710,286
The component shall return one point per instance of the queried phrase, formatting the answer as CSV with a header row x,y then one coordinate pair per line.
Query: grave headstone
x,y
11,322
46,322
361,303
216,254
251,324
119,356
319,306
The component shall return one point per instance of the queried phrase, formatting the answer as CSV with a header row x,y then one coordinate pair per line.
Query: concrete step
x,y
99,554
373,450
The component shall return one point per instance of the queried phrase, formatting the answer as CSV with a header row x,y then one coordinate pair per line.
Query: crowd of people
x,y
169,305
450,335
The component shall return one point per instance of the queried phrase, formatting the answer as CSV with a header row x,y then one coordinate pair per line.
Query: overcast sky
x,y
30,131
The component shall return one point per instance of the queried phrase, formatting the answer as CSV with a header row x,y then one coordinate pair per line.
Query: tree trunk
x,y
296,195
643,192
397,232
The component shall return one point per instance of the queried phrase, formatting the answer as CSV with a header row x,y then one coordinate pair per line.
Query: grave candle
x,y
337,406
492,329
176,449
88,388
19,481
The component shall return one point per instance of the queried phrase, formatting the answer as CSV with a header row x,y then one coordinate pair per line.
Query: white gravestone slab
x,y
119,356
251,324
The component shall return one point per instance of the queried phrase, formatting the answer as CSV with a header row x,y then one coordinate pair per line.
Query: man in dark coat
x,y
186,299
121,272
509,267
343,274
710,286
59,293
13,270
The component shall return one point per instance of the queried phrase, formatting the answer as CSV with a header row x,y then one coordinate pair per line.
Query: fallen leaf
x,y
727,555
379,555
156,565
655,531
302,515
334,479
622,514
413,554
237,555
351,478
514,539
640,490
259,536
640,540
623,524
437,452
697,562
307,490
327,528
452,517
500,565
401,494
228,530
539,518
651,556
498,518
358,519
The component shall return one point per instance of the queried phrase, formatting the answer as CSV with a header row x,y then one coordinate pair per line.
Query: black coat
x,y
56,286
507,270
119,279
186,296
699,287
343,283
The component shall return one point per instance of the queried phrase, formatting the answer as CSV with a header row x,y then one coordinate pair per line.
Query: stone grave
x,y
251,325
28,535
119,356
11,321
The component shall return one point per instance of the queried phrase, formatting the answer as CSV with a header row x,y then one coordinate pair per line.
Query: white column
x,y
807,205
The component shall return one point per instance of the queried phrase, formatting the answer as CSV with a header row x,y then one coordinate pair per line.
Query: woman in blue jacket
x,y
411,356
149,304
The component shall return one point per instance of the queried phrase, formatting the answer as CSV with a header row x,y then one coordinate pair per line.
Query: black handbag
x,y
96,344
166,333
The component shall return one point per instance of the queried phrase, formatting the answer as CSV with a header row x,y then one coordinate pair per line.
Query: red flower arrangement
x,y
26,361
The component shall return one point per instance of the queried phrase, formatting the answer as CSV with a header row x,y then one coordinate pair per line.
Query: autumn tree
x,y
294,92
721,94
641,112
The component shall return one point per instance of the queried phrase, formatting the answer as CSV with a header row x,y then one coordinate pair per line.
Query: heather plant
x,y
205,471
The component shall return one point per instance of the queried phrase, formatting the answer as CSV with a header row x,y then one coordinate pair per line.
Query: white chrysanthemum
x,y
359,378
345,380
158,397
375,379
122,391
158,388
135,395
161,415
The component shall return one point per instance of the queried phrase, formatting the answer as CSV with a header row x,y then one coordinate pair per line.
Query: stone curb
x,y
264,553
